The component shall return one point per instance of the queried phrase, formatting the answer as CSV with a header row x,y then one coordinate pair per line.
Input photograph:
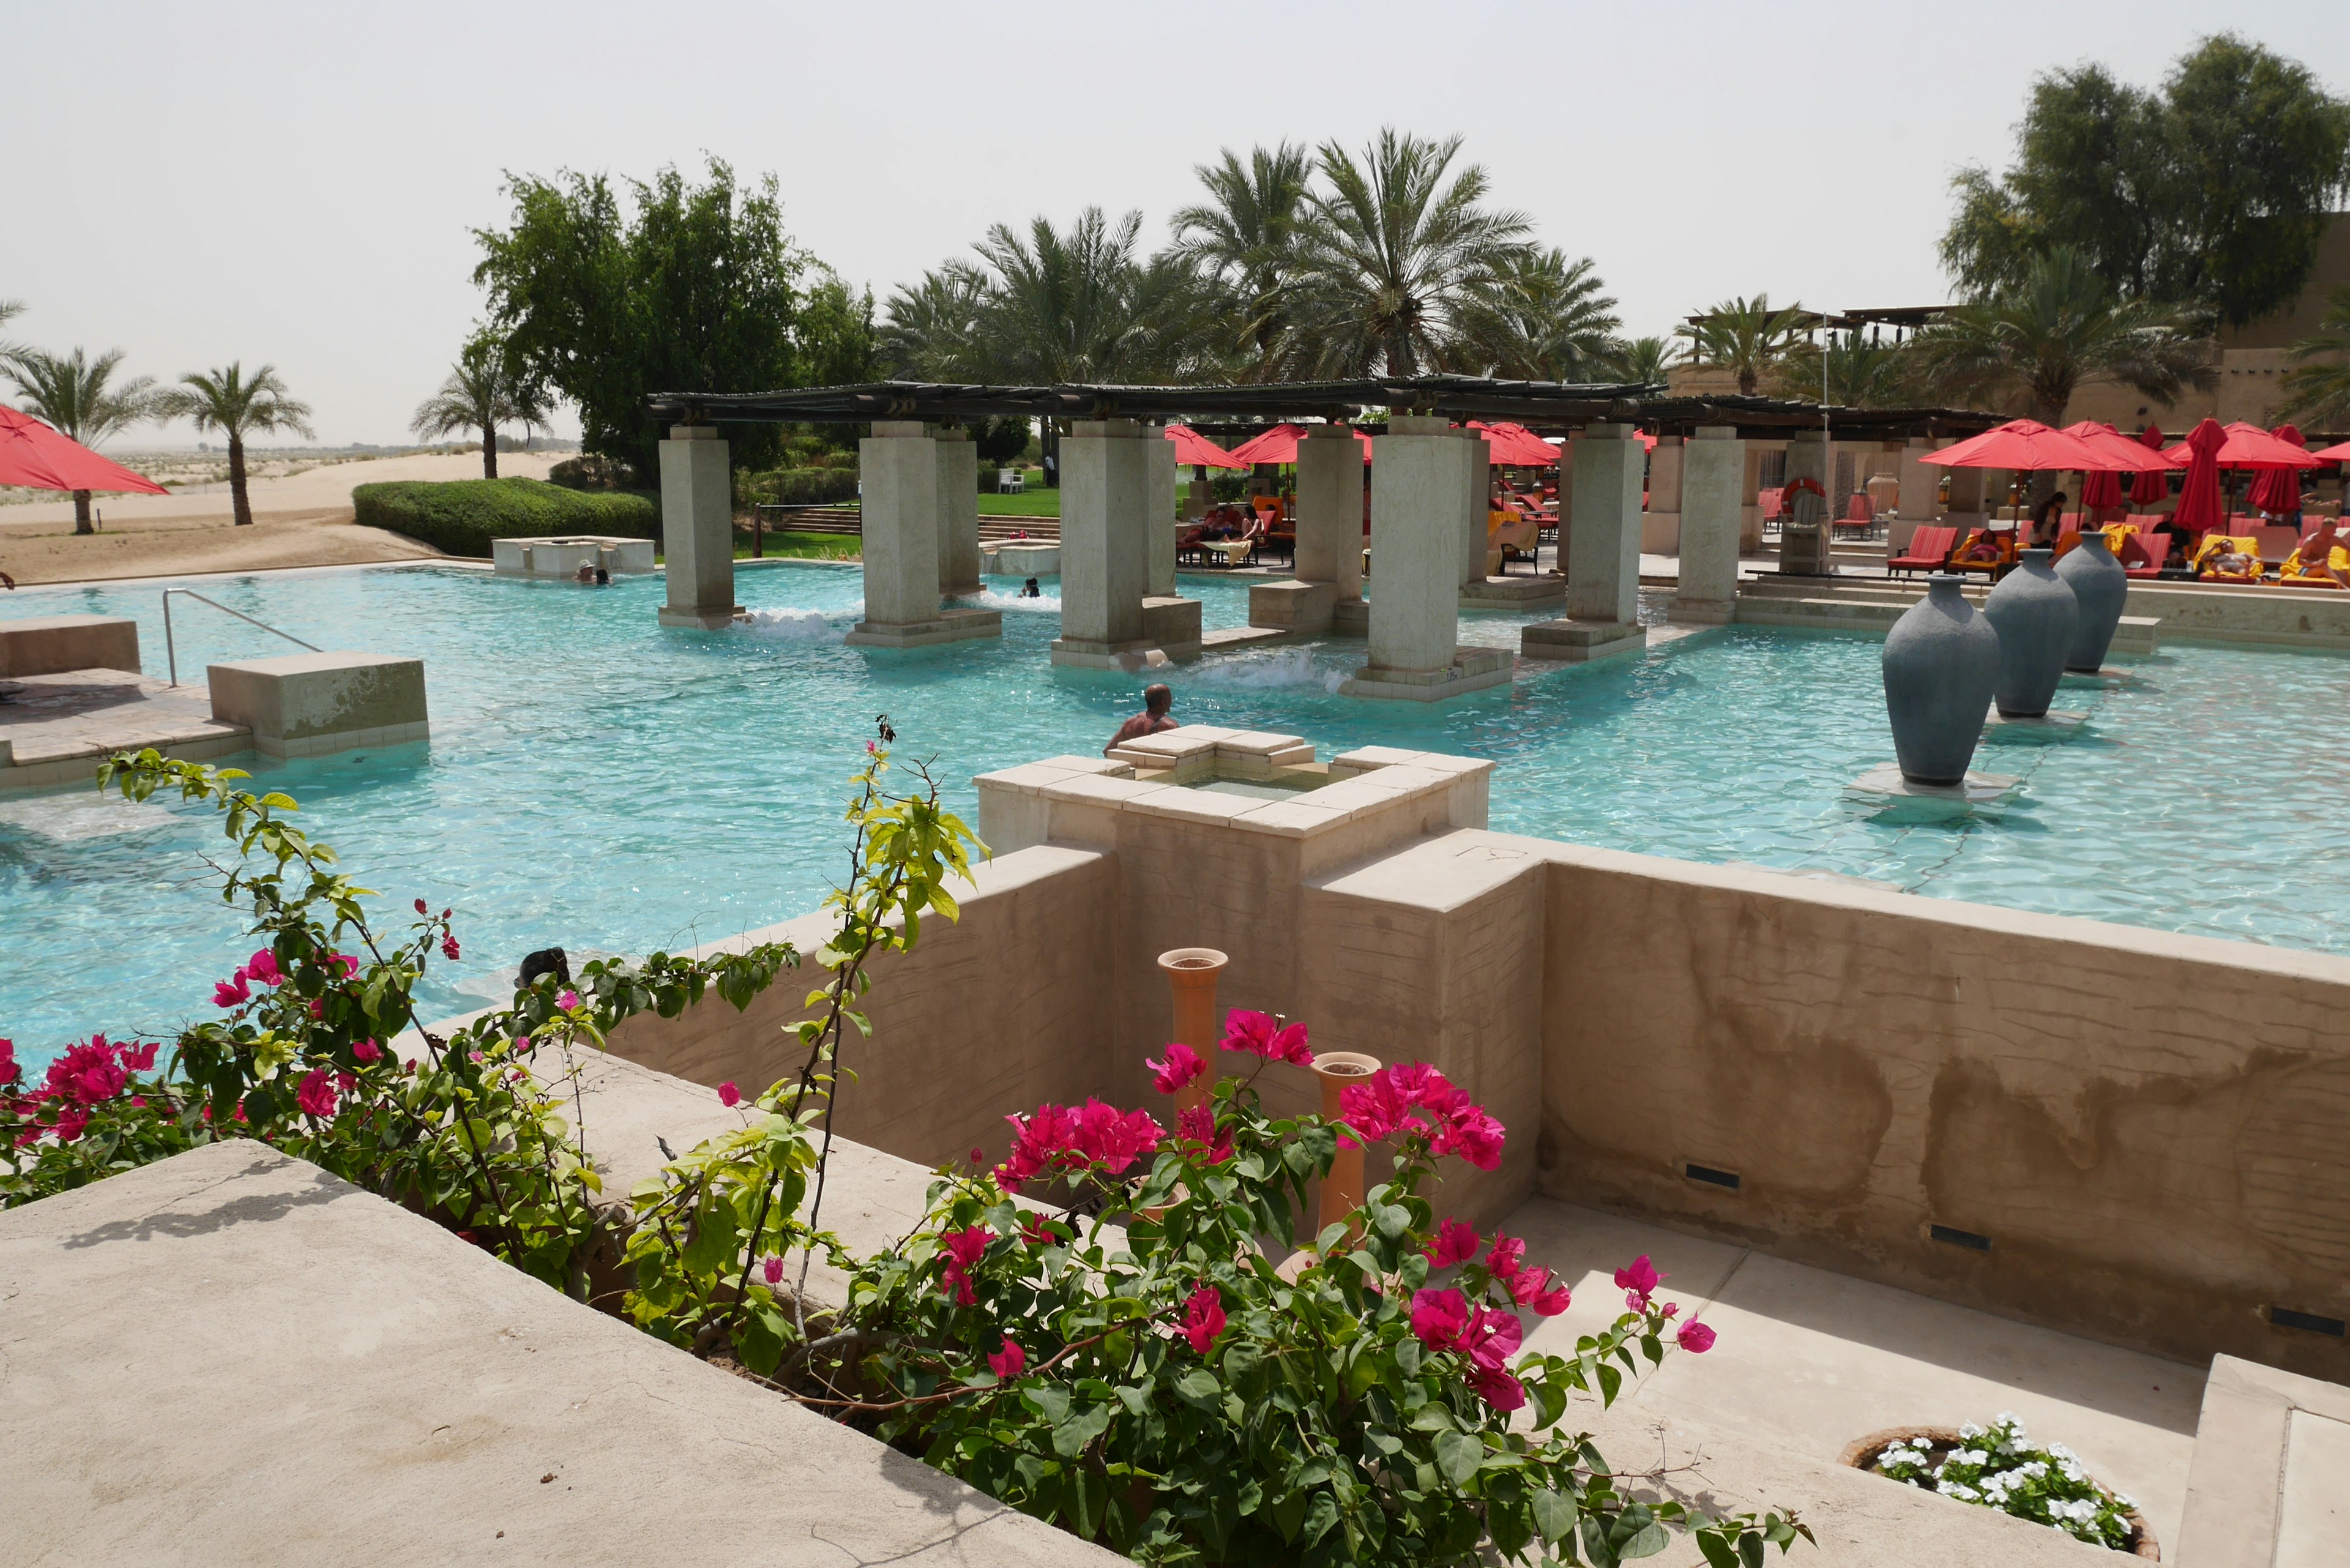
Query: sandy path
x,y
302,520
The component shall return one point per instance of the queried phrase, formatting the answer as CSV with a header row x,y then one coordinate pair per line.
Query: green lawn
x,y
1028,504
787,544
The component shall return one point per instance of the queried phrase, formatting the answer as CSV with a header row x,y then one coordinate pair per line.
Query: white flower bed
x,y
1997,1466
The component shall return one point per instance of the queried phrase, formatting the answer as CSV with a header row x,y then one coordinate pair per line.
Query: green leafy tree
x,y
1540,317
237,406
1860,374
484,389
1644,360
80,397
1746,337
1242,242
1395,255
2317,388
835,335
2033,344
684,288
2211,191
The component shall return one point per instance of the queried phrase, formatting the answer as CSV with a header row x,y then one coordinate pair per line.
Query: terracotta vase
x,y
2035,616
1191,974
2100,586
1341,1189
1940,665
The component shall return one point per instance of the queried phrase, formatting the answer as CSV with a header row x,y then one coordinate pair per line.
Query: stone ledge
x,y
952,625
1473,669
1580,641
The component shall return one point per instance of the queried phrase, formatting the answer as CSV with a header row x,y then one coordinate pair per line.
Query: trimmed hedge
x,y
805,486
460,517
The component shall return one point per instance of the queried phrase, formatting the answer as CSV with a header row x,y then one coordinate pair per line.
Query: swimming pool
x,y
601,784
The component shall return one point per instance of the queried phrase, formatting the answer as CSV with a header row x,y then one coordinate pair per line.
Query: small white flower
x,y
1970,1432
2124,1500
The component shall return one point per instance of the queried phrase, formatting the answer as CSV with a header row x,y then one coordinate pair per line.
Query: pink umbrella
x,y
1514,446
1197,451
2151,486
2245,445
1279,444
2102,487
2199,509
2277,490
33,456
2025,445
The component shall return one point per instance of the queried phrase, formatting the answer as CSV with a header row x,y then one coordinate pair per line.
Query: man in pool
x,y
1154,717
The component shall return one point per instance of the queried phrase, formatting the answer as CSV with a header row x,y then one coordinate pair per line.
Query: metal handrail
x,y
170,649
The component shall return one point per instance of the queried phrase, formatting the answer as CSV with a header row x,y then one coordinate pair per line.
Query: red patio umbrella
x,y
1514,446
2332,453
2245,445
1198,451
2200,508
2025,445
2102,487
1279,444
2151,485
2277,490
36,456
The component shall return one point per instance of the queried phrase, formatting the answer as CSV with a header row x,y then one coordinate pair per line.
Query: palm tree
x,y
930,331
1745,337
2059,327
75,394
1394,256
225,400
1541,318
482,392
2319,393
1861,374
1642,362
9,311
1241,242
1080,306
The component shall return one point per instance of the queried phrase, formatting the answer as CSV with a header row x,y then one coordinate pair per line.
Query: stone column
x,y
1660,529
1162,526
1477,488
1916,506
1805,552
697,529
1714,470
1750,505
1198,496
1603,564
1566,494
899,468
1330,537
1415,495
958,513
1105,543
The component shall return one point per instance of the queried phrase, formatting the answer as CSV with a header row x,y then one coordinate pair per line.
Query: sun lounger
x,y
2212,546
2143,553
2004,539
1929,549
2278,543
2303,569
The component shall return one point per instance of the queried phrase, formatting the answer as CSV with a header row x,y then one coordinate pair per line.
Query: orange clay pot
x,y
1191,974
1341,1189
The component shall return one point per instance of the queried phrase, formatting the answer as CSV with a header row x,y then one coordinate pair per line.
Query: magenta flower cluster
x,y
1072,1137
1415,1098
84,1077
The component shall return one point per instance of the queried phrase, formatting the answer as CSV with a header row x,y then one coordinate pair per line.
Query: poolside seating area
x,y
2244,551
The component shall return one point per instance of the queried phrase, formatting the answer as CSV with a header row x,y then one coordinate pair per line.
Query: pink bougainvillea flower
x,y
1037,1231
344,961
1198,1125
1670,1309
774,1271
317,1094
1204,1318
1531,1287
1508,1257
1439,1318
86,1075
1010,1361
138,1058
1263,1034
1493,1337
70,1125
1638,1282
1181,1066
1456,1242
9,1070
963,1249
1472,1135
1695,1337
1113,1138
448,949
232,991
1498,1388
367,1051
1414,1097
263,966
729,1096
346,1082
1060,1137
569,1000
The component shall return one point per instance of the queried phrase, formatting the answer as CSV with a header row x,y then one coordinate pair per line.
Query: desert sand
x,y
301,520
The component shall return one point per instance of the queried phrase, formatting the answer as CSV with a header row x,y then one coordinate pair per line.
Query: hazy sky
x,y
298,184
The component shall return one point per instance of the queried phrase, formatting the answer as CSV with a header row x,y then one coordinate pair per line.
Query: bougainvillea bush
x,y
1116,1327
1999,1467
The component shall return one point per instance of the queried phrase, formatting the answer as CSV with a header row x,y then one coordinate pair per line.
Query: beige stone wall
x,y
2153,1130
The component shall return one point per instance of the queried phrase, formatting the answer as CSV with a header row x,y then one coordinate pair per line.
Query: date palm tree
x,y
9,311
1860,374
2033,343
1540,317
930,331
1083,306
1641,361
79,395
482,392
1745,337
2317,388
1242,242
229,402
1395,254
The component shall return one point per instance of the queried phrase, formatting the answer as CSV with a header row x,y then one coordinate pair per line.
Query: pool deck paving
x,y
56,729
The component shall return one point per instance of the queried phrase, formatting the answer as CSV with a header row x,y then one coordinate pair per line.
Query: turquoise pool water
x,y
601,784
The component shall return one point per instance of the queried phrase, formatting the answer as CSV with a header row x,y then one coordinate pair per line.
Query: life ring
x,y
1805,484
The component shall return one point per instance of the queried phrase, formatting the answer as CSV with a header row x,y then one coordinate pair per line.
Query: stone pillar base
x,y
970,590
1083,653
315,704
1473,669
1301,608
1350,618
952,625
1580,641
1505,592
1700,612
705,620
1170,623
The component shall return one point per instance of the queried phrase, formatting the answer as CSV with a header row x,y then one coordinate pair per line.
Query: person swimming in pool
x,y
1157,702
